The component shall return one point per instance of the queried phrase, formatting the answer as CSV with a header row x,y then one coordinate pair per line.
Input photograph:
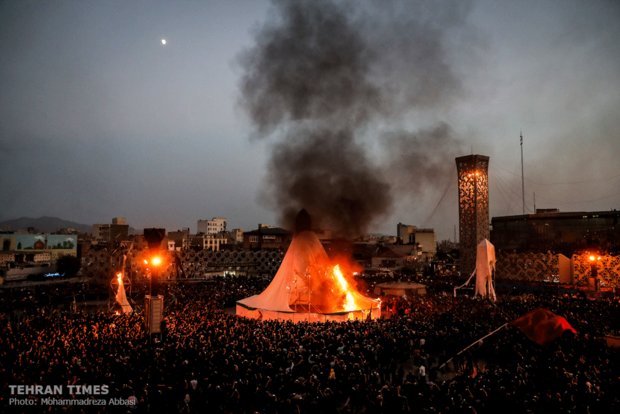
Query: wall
x,y
608,269
546,267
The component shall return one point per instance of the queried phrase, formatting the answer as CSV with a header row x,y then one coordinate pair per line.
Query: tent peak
x,y
303,221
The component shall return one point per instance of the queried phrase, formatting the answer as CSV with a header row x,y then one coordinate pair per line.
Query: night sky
x,y
99,119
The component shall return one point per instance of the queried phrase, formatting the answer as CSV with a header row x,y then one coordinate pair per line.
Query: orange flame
x,y
349,304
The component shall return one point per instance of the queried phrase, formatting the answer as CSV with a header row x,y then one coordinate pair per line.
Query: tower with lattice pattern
x,y
473,181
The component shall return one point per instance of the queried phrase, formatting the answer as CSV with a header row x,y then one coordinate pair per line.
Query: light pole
x,y
154,306
594,260
153,264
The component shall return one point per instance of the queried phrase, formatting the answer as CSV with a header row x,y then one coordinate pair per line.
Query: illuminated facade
x,y
473,182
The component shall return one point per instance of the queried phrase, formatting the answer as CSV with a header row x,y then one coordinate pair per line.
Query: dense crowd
x,y
209,360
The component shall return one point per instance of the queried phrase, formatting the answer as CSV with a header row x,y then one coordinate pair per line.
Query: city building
x,y
119,220
6,258
211,242
557,232
267,238
180,239
236,236
405,233
423,239
117,231
385,257
214,226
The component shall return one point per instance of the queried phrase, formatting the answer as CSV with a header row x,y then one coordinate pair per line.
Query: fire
x,y
349,304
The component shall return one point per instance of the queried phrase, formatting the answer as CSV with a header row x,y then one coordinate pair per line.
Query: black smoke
x,y
320,74
310,63
328,174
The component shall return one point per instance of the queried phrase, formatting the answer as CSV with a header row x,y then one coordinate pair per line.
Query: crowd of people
x,y
208,360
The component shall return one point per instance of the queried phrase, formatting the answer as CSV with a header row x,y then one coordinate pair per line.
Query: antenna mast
x,y
522,176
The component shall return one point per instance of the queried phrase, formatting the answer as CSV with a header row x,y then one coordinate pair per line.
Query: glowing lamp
x,y
156,261
592,258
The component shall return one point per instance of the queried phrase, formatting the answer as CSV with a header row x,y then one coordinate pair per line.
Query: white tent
x,y
121,297
485,266
305,288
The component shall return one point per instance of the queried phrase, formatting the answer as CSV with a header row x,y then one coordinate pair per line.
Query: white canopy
x,y
485,265
121,297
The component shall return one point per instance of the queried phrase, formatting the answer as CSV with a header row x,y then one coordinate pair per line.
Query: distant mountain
x,y
43,224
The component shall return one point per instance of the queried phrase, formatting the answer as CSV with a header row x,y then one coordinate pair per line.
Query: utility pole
x,y
522,175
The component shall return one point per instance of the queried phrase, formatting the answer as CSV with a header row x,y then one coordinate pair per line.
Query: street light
x,y
153,304
155,263
594,260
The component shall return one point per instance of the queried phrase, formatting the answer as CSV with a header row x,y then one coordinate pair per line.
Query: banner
x,y
542,326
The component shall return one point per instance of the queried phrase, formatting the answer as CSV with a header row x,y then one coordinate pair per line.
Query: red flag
x,y
542,326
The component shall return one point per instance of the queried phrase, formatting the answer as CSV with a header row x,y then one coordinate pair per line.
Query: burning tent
x,y
308,286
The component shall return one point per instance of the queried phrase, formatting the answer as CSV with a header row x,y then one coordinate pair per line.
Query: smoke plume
x,y
329,175
415,157
319,75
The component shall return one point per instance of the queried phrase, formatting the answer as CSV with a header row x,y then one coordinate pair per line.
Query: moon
x,y
164,42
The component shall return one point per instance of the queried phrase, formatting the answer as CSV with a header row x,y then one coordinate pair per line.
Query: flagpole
x,y
474,343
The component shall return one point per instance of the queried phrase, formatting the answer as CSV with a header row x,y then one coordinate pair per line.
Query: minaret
x,y
473,183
